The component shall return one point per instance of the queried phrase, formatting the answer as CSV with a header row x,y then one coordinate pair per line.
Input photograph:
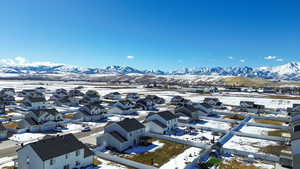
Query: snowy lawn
x,y
143,149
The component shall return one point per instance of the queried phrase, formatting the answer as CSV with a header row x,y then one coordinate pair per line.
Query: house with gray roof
x,y
63,152
162,122
122,135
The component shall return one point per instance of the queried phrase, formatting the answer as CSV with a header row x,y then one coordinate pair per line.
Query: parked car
x,y
86,129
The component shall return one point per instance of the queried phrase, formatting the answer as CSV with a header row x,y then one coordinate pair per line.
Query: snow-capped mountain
x,y
289,71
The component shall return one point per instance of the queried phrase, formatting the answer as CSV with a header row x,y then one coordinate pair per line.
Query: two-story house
x,y
162,122
91,112
122,135
42,120
91,96
133,96
60,152
123,107
251,107
178,100
113,96
35,103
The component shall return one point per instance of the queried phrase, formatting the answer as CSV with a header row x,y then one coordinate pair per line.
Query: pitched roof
x,y
118,136
31,121
53,147
167,115
40,112
159,123
37,99
130,124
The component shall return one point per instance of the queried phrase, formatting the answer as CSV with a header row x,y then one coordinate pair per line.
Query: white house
x,y
251,107
3,132
162,122
145,104
42,120
214,102
193,112
8,91
122,135
40,90
60,152
92,112
122,107
178,100
35,103
113,96
133,96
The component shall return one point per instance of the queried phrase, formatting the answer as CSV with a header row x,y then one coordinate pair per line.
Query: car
x,y
86,129
58,129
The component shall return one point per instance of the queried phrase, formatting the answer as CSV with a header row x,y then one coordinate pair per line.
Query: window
x,y
66,156
77,163
52,161
27,160
77,153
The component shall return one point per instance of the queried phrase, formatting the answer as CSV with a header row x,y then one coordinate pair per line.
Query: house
x,y
113,96
123,107
162,122
7,91
192,112
75,93
251,107
42,120
91,112
145,104
30,93
214,102
178,100
3,132
91,96
60,93
155,99
133,96
68,100
35,103
295,108
60,152
40,90
122,135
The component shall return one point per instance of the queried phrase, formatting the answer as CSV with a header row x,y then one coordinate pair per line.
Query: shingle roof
x,y
39,112
130,124
167,115
37,99
31,121
118,136
159,123
53,147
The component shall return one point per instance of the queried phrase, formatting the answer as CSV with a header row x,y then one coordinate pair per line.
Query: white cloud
x,y
242,60
22,61
230,57
279,60
270,57
130,57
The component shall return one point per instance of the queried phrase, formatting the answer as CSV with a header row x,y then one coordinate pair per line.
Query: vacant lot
x,y
161,155
273,122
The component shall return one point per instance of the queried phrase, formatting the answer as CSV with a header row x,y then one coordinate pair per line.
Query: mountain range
x,y
289,71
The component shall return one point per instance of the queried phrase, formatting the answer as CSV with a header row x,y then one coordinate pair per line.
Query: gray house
x,y
91,112
122,135
61,152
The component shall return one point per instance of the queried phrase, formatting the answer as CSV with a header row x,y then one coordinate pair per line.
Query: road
x,y
86,137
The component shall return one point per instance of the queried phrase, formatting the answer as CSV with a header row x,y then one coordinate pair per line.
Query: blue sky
x,y
158,34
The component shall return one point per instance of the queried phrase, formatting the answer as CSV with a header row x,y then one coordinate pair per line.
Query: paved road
x,y
85,137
